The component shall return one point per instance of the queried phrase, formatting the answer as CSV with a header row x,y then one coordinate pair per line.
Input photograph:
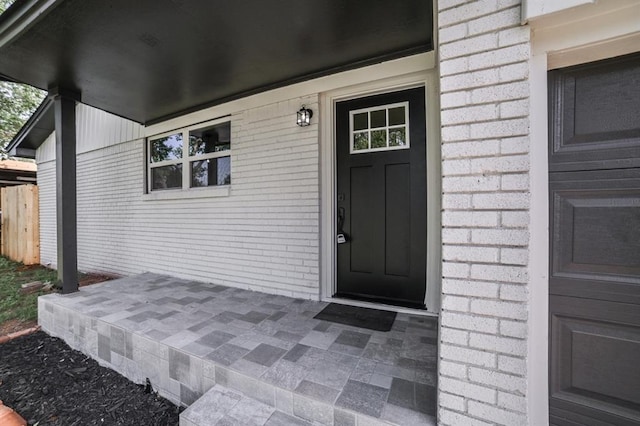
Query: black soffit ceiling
x,y
149,60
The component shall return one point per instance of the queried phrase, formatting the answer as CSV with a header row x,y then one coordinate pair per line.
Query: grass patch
x,y
13,304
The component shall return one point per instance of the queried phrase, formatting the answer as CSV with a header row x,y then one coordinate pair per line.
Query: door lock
x,y
341,238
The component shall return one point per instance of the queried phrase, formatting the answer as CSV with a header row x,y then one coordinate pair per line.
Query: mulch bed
x,y
92,278
48,383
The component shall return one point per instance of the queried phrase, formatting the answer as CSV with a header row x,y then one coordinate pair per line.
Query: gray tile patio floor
x,y
188,336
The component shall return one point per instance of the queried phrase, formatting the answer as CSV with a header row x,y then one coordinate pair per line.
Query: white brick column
x,y
484,53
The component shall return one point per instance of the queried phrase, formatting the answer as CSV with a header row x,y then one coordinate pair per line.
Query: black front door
x,y
594,283
382,198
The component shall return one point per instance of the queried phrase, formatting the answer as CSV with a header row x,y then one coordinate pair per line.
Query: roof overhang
x,y
149,60
34,132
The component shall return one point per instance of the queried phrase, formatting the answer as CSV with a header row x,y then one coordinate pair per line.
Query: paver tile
x,y
227,354
284,374
215,339
363,398
353,338
281,419
265,354
317,391
263,341
296,352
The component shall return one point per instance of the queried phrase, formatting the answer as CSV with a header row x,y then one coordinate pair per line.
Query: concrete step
x,y
237,399
221,406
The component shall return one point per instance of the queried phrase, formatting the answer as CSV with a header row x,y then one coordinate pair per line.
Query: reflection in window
x,y
397,137
361,141
378,139
210,139
211,172
167,148
166,177
380,128
191,158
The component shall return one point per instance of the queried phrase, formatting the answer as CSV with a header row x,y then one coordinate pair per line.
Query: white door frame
x,y
328,264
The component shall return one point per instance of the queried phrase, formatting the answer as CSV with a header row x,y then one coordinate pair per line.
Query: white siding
x,y
47,151
97,129
47,195
485,163
263,236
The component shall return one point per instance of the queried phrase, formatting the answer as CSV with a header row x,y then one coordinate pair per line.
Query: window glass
x,y
360,141
166,148
361,121
210,139
379,118
379,139
397,137
204,159
396,116
211,172
166,177
380,128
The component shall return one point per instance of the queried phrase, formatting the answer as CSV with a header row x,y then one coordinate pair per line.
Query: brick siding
x,y
484,99
264,235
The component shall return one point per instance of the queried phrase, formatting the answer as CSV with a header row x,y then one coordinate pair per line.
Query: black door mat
x,y
372,319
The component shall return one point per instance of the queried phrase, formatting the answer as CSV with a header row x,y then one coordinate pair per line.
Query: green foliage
x,y
13,305
4,4
17,103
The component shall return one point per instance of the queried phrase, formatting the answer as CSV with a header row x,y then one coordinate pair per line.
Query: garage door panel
x,y
595,234
569,416
576,286
595,356
598,233
593,111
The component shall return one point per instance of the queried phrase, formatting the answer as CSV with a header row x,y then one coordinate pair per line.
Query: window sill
x,y
183,194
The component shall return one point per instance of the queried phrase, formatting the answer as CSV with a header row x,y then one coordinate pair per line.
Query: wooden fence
x,y
20,238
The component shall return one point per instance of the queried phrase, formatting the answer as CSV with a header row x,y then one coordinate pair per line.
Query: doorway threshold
x,y
380,306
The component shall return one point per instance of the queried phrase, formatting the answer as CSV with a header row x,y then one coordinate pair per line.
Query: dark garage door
x,y
594,284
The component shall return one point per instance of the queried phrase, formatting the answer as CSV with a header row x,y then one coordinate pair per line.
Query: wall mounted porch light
x,y
304,116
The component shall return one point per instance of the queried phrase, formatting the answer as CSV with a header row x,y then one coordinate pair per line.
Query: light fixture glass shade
x,y
304,117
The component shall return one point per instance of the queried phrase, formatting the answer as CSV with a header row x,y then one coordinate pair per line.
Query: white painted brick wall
x,y
263,236
484,69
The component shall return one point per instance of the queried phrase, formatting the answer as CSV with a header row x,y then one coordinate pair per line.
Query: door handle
x,y
342,237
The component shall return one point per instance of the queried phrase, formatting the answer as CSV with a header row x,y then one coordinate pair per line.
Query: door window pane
x,y
360,141
211,172
378,139
396,116
379,118
166,177
397,137
361,121
166,148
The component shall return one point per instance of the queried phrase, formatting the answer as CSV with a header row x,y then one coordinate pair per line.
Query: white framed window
x,y
198,156
380,128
